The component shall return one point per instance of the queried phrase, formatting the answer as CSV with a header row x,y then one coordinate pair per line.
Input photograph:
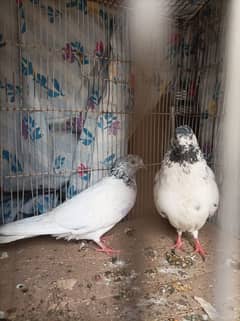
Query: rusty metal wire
x,y
184,98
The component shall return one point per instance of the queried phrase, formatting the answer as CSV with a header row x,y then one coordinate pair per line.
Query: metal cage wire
x,y
94,78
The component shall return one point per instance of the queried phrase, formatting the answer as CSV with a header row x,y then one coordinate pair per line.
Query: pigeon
x,y
88,215
185,190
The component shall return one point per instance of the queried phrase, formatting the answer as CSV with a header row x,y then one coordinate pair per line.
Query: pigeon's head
x,y
127,166
185,148
184,137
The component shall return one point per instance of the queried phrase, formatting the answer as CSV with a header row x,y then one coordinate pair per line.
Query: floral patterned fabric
x,y
66,88
60,100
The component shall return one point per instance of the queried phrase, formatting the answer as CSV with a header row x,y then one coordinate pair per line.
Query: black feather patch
x,y
120,173
179,154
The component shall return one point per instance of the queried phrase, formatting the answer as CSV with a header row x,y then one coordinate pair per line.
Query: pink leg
x,y
179,243
199,249
106,249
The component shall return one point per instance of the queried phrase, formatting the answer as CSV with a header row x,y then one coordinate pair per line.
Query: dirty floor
x,y
47,280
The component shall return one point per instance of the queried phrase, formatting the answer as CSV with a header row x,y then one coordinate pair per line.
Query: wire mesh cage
x,y
188,89
64,101
69,103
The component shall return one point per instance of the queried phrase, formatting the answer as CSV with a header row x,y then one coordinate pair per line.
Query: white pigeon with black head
x,y
185,190
88,215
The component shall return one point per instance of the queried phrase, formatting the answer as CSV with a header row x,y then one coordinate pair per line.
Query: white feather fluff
x,y
186,197
88,215
185,192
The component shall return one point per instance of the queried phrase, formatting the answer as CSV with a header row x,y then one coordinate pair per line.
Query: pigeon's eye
x,y
133,162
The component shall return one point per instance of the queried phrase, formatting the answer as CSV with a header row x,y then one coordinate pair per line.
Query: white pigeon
x,y
185,191
88,215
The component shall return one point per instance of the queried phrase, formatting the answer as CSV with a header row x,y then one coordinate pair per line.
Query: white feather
x,y
88,215
186,195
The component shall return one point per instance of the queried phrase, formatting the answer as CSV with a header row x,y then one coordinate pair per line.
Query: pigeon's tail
x,y
29,227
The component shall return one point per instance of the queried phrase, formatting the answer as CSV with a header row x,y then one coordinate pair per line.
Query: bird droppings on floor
x,y
44,279
66,284
179,260
4,255
149,252
82,245
22,287
129,231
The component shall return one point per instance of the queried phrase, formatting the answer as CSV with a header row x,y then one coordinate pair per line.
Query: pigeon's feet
x,y
179,243
199,249
106,249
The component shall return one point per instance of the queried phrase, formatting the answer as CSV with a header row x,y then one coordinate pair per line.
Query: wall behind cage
x,y
65,97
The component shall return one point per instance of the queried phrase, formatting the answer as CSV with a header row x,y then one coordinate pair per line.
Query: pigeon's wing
x,y
186,198
102,205
156,189
73,213
213,196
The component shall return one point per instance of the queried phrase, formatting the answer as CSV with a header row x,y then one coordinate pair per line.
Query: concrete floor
x,y
47,280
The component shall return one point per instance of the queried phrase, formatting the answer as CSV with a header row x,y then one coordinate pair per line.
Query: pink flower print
x,y
68,53
93,100
75,124
99,49
78,123
90,105
74,51
113,129
24,129
83,172
82,169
